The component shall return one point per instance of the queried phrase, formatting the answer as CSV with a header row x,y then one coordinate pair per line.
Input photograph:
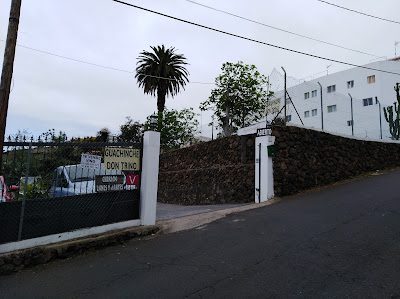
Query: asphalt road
x,y
343,241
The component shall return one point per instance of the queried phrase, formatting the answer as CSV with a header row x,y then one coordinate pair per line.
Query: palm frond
x,y
161,70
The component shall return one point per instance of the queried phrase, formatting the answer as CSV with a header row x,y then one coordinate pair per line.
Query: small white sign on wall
x,y
91,161
264,131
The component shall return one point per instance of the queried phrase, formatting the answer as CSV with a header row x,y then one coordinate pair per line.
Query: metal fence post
x,y
380,116
352,116
21,218
285,87
322,108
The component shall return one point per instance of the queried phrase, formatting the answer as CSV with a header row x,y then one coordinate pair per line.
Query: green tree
x,y
240,97
131,131
179,128
103,135
161,73
50,135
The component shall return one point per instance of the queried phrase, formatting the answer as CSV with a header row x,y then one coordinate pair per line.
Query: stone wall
x,y
219,171
306,159
222,171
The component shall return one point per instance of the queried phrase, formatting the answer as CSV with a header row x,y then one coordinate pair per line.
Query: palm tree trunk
x,y
160,107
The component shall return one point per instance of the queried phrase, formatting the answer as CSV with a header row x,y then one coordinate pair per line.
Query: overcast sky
x,y
50,92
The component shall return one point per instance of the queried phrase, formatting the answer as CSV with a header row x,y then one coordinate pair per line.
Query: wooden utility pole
x,y
8,67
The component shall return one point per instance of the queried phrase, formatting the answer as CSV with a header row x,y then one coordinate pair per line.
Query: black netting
x,y
46,191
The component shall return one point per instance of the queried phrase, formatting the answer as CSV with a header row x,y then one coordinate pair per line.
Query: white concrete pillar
x,y
149,184
264,178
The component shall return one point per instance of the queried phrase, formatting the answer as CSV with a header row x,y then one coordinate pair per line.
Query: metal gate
x,y
45,188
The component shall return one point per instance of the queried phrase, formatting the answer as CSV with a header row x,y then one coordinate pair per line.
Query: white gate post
x,y
149,183
264,177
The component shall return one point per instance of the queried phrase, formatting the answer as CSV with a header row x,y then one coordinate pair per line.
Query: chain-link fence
x,y
50,187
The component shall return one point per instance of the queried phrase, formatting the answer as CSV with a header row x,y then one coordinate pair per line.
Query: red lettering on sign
x,y
132,179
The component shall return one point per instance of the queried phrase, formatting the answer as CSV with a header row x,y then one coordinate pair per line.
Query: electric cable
x,y
254,40
358,12
280,29
98,65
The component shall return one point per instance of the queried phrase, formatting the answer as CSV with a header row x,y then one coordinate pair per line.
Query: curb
x,y
193,221
17,260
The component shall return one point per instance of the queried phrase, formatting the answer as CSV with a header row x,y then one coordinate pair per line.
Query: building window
x,y
306,95
313,93
349,123
368,102
314,112
350,84
371,79
331,108
288,118
331,88
306,113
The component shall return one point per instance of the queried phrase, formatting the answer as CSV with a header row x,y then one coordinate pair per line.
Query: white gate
x,y
264,180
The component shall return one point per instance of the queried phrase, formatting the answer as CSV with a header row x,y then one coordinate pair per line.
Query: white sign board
x,y
91,161
264,132
117,158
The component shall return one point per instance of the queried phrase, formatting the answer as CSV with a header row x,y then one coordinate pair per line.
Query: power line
x,y
98,65
280,29
172,79
359,12
254,40
74,59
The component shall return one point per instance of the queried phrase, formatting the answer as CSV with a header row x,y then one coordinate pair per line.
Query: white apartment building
x,y
368,88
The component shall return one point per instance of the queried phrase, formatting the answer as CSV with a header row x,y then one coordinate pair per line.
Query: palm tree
x,y
161,73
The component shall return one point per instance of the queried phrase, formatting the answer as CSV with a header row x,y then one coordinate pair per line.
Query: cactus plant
x,y
392,115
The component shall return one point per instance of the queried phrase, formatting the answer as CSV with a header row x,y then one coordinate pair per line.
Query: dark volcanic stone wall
x,y
306,158
222,171
219,171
